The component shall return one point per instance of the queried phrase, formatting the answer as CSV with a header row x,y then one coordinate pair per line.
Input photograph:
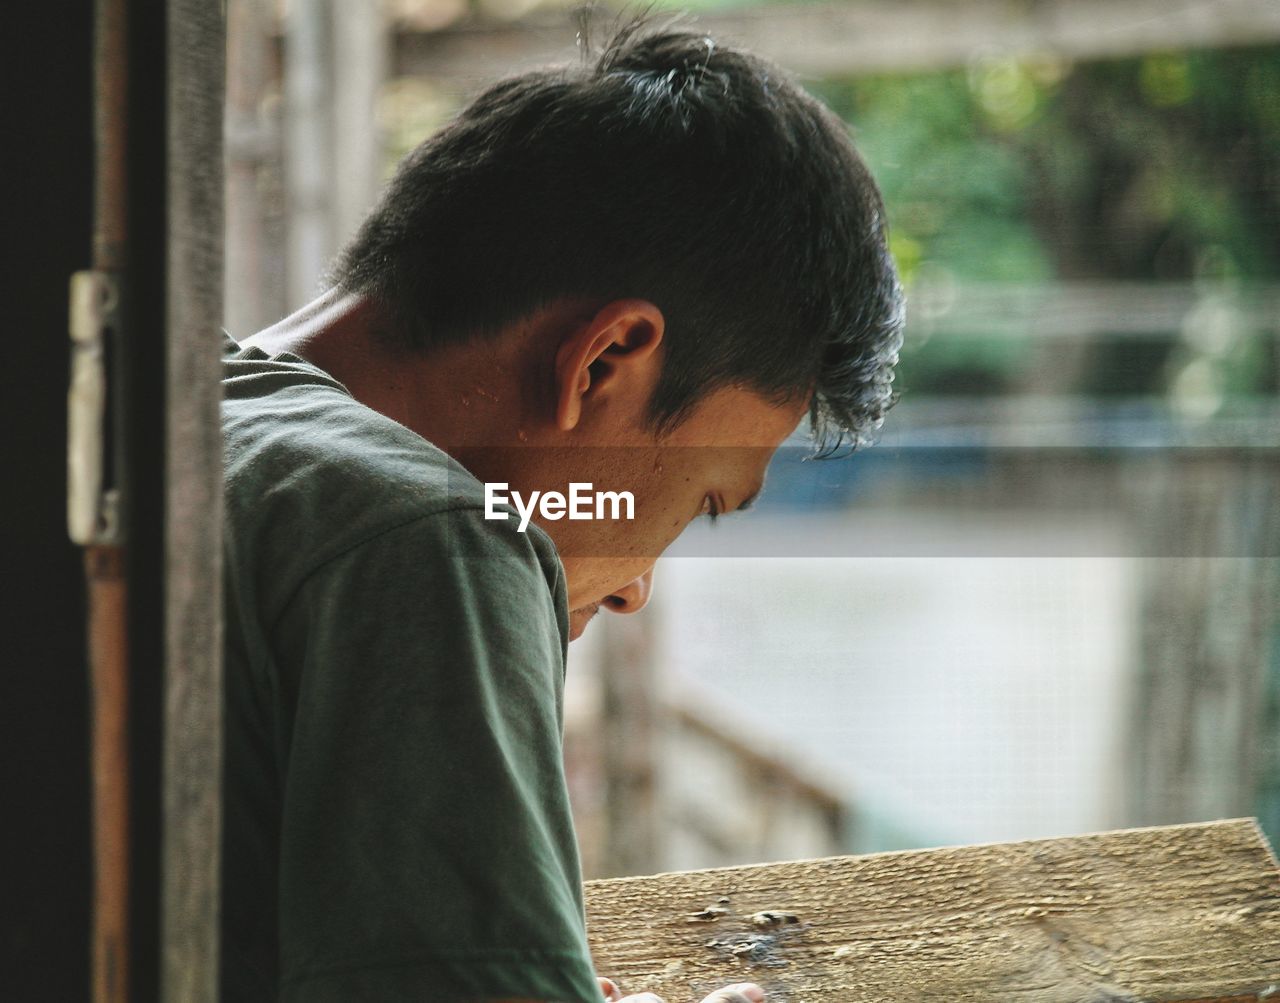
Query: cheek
x,y
665,503
602,556
662,515
590,580
586,580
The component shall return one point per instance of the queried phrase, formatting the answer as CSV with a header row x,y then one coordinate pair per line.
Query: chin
x,y
578,620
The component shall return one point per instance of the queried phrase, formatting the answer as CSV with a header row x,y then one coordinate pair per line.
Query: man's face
x,y
712,464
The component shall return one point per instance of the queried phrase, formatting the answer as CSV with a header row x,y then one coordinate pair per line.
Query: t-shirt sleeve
x,y
427,850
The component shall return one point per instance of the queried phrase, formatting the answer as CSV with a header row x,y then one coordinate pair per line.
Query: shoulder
x,y
450,583
453,549
312,475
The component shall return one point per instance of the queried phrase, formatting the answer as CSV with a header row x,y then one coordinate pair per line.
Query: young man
x,y
638,276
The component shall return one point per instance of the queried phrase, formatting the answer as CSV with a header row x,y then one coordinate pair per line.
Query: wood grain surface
x,y
1185,913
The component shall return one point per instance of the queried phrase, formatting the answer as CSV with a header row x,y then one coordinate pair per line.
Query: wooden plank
x,y
882,36
1180,913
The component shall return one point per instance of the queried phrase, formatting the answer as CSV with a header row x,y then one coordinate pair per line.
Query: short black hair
x,y
674,169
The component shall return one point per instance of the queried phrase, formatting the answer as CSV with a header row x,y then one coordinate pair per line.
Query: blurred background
x,y
1046,601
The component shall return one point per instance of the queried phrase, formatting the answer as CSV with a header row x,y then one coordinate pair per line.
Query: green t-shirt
x,y
396,818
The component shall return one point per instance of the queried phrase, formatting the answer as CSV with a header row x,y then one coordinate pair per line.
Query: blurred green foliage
x,y
1161,168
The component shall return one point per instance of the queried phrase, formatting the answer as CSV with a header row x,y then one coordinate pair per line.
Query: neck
x,y
478,394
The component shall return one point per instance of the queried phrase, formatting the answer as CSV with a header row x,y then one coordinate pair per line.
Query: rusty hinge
x,y
93,499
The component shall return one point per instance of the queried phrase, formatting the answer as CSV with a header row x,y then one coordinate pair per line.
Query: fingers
x,y
743,992
614,995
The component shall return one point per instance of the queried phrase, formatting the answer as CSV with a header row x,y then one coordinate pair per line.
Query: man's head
x,y
699,239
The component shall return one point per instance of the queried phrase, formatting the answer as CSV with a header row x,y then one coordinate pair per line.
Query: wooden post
x,y
192,783
308,147
253,292
107,589
361,56
1208,619
336,59
108,674
629,707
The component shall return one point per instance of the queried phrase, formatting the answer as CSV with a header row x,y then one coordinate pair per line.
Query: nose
x,y
632,597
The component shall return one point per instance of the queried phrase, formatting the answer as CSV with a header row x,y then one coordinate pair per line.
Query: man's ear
x,y
617,345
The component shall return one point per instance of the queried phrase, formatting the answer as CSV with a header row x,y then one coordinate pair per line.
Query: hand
x,y
741,992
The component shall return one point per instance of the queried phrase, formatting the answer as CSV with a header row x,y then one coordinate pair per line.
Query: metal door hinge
x,y
92,497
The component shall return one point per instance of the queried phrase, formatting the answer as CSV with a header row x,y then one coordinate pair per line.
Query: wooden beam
x,y
1087,309
748,751
1169,915
881,36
